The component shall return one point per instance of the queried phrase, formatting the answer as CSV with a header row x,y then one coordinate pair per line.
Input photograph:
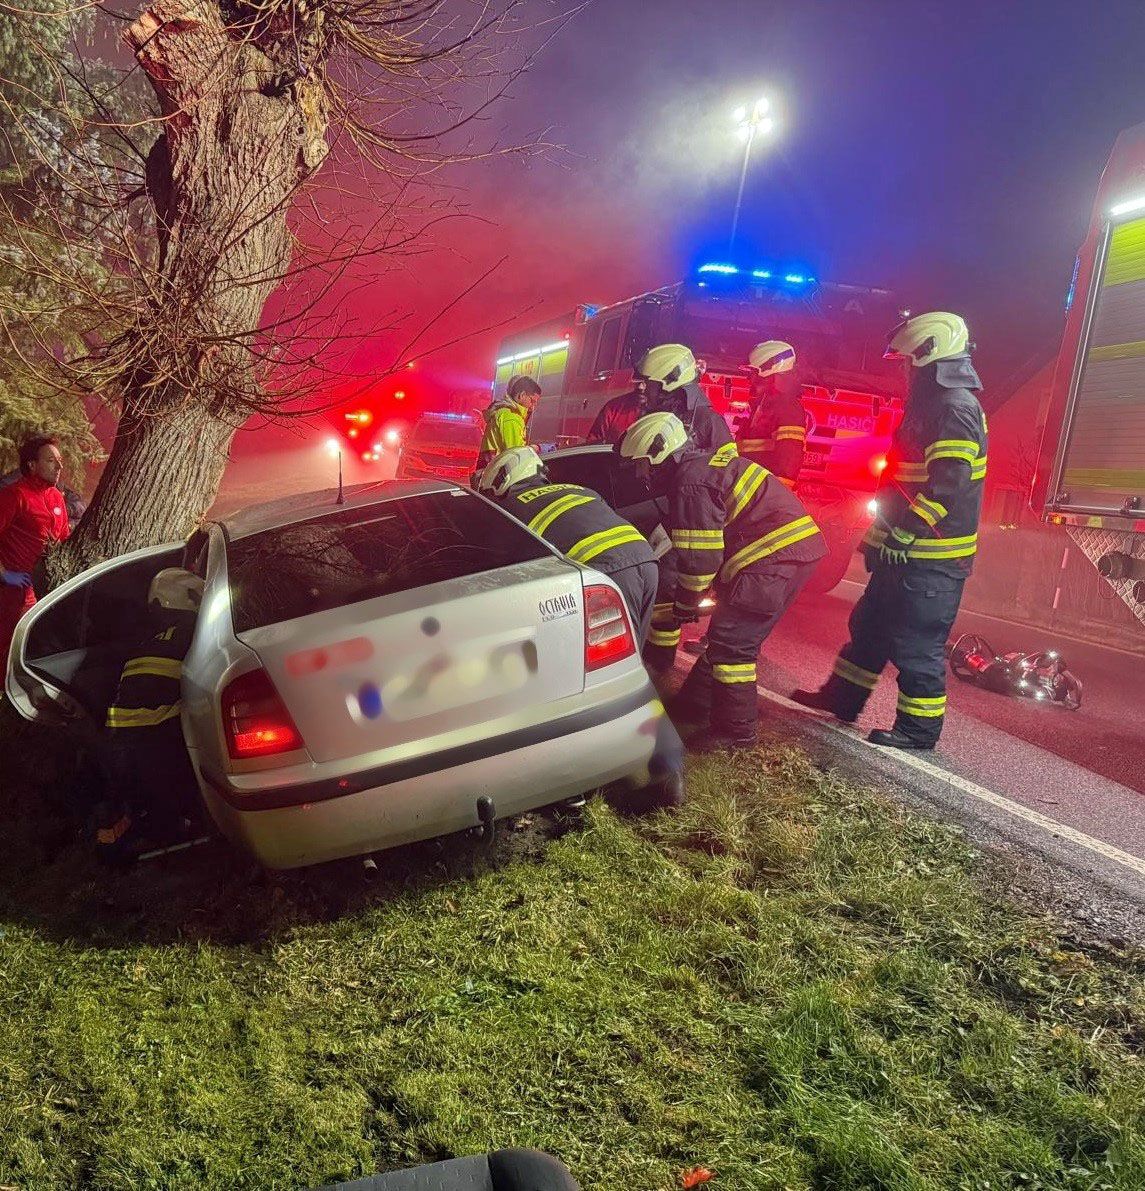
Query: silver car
x,y
407,663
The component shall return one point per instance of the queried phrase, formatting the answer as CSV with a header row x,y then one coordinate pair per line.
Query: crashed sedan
x,y
368,670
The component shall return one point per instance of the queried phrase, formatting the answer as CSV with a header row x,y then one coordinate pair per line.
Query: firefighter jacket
x,y
705,427
149,691
505,423
930,493
731,521
578,523
775,432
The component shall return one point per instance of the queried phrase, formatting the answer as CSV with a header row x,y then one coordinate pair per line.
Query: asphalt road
x,y
1058,795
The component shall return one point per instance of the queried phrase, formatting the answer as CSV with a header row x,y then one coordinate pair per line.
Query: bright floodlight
x,y
762,107
739,115
333,446
392,436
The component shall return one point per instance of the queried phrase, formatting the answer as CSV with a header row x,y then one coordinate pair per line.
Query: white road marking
x,y
1016,809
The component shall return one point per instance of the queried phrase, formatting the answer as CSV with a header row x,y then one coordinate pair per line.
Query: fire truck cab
x,y
852,398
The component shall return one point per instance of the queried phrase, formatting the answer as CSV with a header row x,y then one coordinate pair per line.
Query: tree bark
x,y
241,131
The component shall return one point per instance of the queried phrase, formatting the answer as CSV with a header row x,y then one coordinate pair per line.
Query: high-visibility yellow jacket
x,y
505,426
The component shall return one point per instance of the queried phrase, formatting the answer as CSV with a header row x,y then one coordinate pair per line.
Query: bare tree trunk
x,y
241,132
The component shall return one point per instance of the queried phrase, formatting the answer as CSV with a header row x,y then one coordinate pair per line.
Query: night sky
x,y
948,151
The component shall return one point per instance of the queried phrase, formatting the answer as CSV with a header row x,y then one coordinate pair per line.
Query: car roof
x,y
304,505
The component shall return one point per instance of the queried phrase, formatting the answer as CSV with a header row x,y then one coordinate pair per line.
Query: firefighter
x,y
150,784
775,432
579,524
921,548
507,418
664,379
738,530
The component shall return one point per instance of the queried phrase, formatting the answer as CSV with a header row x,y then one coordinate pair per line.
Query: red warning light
x,y
399,394
353,432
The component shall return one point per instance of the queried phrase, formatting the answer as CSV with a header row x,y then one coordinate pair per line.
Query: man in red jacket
x,y
32,515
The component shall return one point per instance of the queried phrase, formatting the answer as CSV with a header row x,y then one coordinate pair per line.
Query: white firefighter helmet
x,y
509,468
771,358
654,437
671,364
928,337
177,589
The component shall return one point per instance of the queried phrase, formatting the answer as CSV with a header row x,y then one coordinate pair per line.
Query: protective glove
x,y
685,615
19,579
893,550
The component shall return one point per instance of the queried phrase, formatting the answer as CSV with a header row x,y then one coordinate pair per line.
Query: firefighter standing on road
x,y
507,419
921,548
579,524
737,529
775,432
664,379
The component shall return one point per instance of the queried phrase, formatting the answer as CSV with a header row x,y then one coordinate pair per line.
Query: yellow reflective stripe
x,y
745,488
929,510
953,448
927,545
978,468
724,455
757,444
793,432
597,543
928,708
855,675
697,539
734,672
561,505
159,667
663,636
778,539
911,473
140,717
699,583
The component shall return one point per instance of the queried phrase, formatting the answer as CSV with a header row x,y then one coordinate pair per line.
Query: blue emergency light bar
x,y
780,278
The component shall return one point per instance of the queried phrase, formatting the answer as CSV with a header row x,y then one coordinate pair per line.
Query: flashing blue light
x,y
718,269
761,273
450,417
795,278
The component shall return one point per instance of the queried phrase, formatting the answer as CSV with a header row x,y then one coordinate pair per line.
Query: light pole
x,y
335,448
748,124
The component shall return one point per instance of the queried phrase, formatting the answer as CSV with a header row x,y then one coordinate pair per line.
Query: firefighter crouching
x,y
579,524
921,547
507,420
739,531
774,433
149,782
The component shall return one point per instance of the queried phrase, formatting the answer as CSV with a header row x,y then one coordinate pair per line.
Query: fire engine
x,y
852,398
1090,474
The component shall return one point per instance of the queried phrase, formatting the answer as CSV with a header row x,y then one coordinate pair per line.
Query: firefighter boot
x,y
693,702
735,708
894,738
822,700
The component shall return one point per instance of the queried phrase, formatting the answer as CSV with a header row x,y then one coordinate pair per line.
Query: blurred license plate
x,y
447,681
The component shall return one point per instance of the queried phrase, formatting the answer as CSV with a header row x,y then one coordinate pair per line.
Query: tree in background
x,y
169,225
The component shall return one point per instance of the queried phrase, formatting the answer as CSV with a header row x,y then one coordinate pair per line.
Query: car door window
x,y
79,641
591,469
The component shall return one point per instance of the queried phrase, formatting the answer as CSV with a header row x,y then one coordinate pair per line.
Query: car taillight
x,y
607,633
255,718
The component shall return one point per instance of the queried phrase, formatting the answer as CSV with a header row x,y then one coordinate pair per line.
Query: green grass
x,y
790,982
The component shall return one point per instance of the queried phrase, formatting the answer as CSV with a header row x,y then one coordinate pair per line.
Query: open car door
x,y
69,648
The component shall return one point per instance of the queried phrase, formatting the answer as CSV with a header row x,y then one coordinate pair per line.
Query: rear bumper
x,y
437,794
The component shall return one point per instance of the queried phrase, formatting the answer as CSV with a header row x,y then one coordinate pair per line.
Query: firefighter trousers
x,y
664,631
722,683
904,617
638,584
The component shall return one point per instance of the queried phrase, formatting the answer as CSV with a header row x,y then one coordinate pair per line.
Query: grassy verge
x,y
790,982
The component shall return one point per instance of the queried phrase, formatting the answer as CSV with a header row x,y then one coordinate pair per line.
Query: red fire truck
x,y
853,398
1091,468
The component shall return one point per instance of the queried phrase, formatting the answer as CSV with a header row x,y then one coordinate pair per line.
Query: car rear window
x,y
346,557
